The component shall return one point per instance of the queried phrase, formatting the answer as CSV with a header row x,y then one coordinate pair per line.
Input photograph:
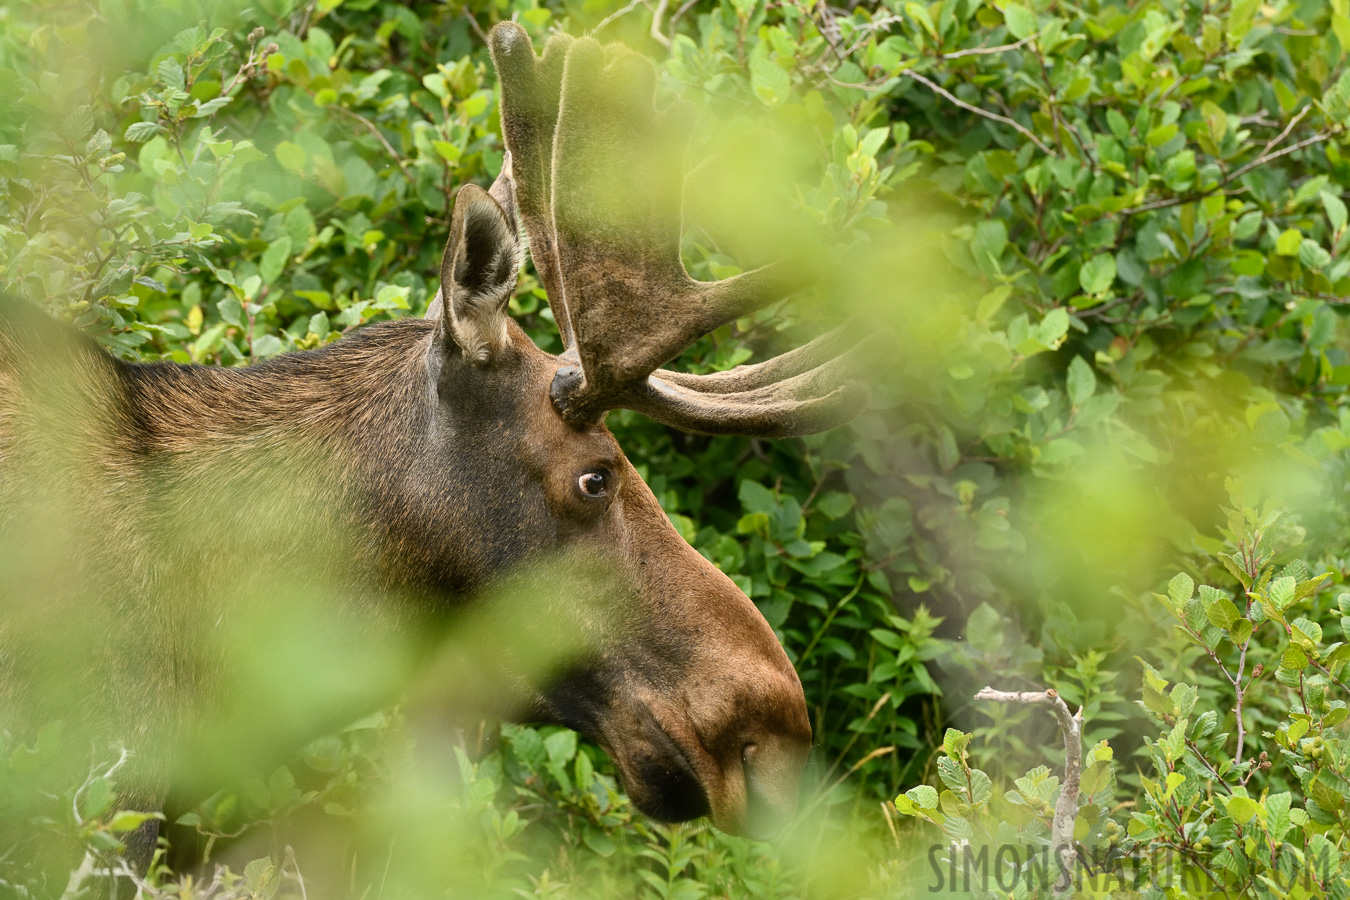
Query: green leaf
x,y
992,302
835,504
1282,591
1289,243
274,259
1216,120
1097,274
601,843
292,157
267,345
561,746
989,241
127,820
1277,813
770,81
1054,326
981,787
924,797
1180,589
1242,809
954,743
1222,614
1080,381
231,311
1308,629
1311,254
756,498
97,798
919,12
263,878
1335,209
139,132
1020,20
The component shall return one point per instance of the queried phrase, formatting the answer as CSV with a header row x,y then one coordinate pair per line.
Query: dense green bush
x,y
1109,236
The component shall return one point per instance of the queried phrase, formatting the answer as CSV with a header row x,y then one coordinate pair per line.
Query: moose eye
x,y
592,485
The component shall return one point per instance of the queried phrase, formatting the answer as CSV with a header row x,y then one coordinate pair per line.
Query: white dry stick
x,y
1066,809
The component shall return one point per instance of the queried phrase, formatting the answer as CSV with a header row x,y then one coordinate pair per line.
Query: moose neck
x,y
362,396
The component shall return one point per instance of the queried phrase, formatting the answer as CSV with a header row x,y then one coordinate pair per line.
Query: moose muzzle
x,y
712,718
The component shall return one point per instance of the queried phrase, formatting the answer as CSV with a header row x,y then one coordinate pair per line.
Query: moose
x,y
457,452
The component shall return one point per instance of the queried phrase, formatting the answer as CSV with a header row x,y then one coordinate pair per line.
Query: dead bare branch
x,y
948,95
1066,808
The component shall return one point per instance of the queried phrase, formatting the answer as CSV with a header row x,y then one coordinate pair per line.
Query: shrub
x,y
1110,236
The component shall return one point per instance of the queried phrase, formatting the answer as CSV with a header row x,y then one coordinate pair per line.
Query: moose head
x,y
697,703
462,456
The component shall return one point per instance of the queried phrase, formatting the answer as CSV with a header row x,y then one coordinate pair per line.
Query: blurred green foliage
x,y
1110,238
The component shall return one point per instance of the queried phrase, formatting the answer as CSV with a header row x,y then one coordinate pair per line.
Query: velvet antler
x,y
599,180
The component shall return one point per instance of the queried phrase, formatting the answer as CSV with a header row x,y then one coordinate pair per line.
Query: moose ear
x,y
478,272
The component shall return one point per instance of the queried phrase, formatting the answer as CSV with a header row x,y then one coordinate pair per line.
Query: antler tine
x,y
753,414
819,352
803,391
530,97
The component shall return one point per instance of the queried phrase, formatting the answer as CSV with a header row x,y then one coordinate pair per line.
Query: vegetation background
x,y
1110,238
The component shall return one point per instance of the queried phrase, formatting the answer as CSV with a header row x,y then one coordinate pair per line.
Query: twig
x,y
384,142
1228,179
478,29
632,5
982,51
933,86
679,14
1279,138
295,867
656,23
1066,808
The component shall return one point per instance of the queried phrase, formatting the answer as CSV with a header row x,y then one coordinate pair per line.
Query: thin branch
x,y
619,13
384,142
933,86
478,29
982,51
1066,808
656,23
1229,178
679,14
1279,138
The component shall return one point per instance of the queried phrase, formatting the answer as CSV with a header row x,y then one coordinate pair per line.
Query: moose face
x,y
679,678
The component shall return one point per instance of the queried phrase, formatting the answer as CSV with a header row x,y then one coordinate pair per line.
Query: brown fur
x,y
165,523
448,472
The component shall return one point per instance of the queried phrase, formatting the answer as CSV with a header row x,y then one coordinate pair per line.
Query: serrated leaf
x,y
1281,591
1242,809
1080,381
981,787
140,132
954,743
923,796
1222,613
1180,589
1307,629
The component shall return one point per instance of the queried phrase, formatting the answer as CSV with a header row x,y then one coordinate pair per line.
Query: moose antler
x,y
600,176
